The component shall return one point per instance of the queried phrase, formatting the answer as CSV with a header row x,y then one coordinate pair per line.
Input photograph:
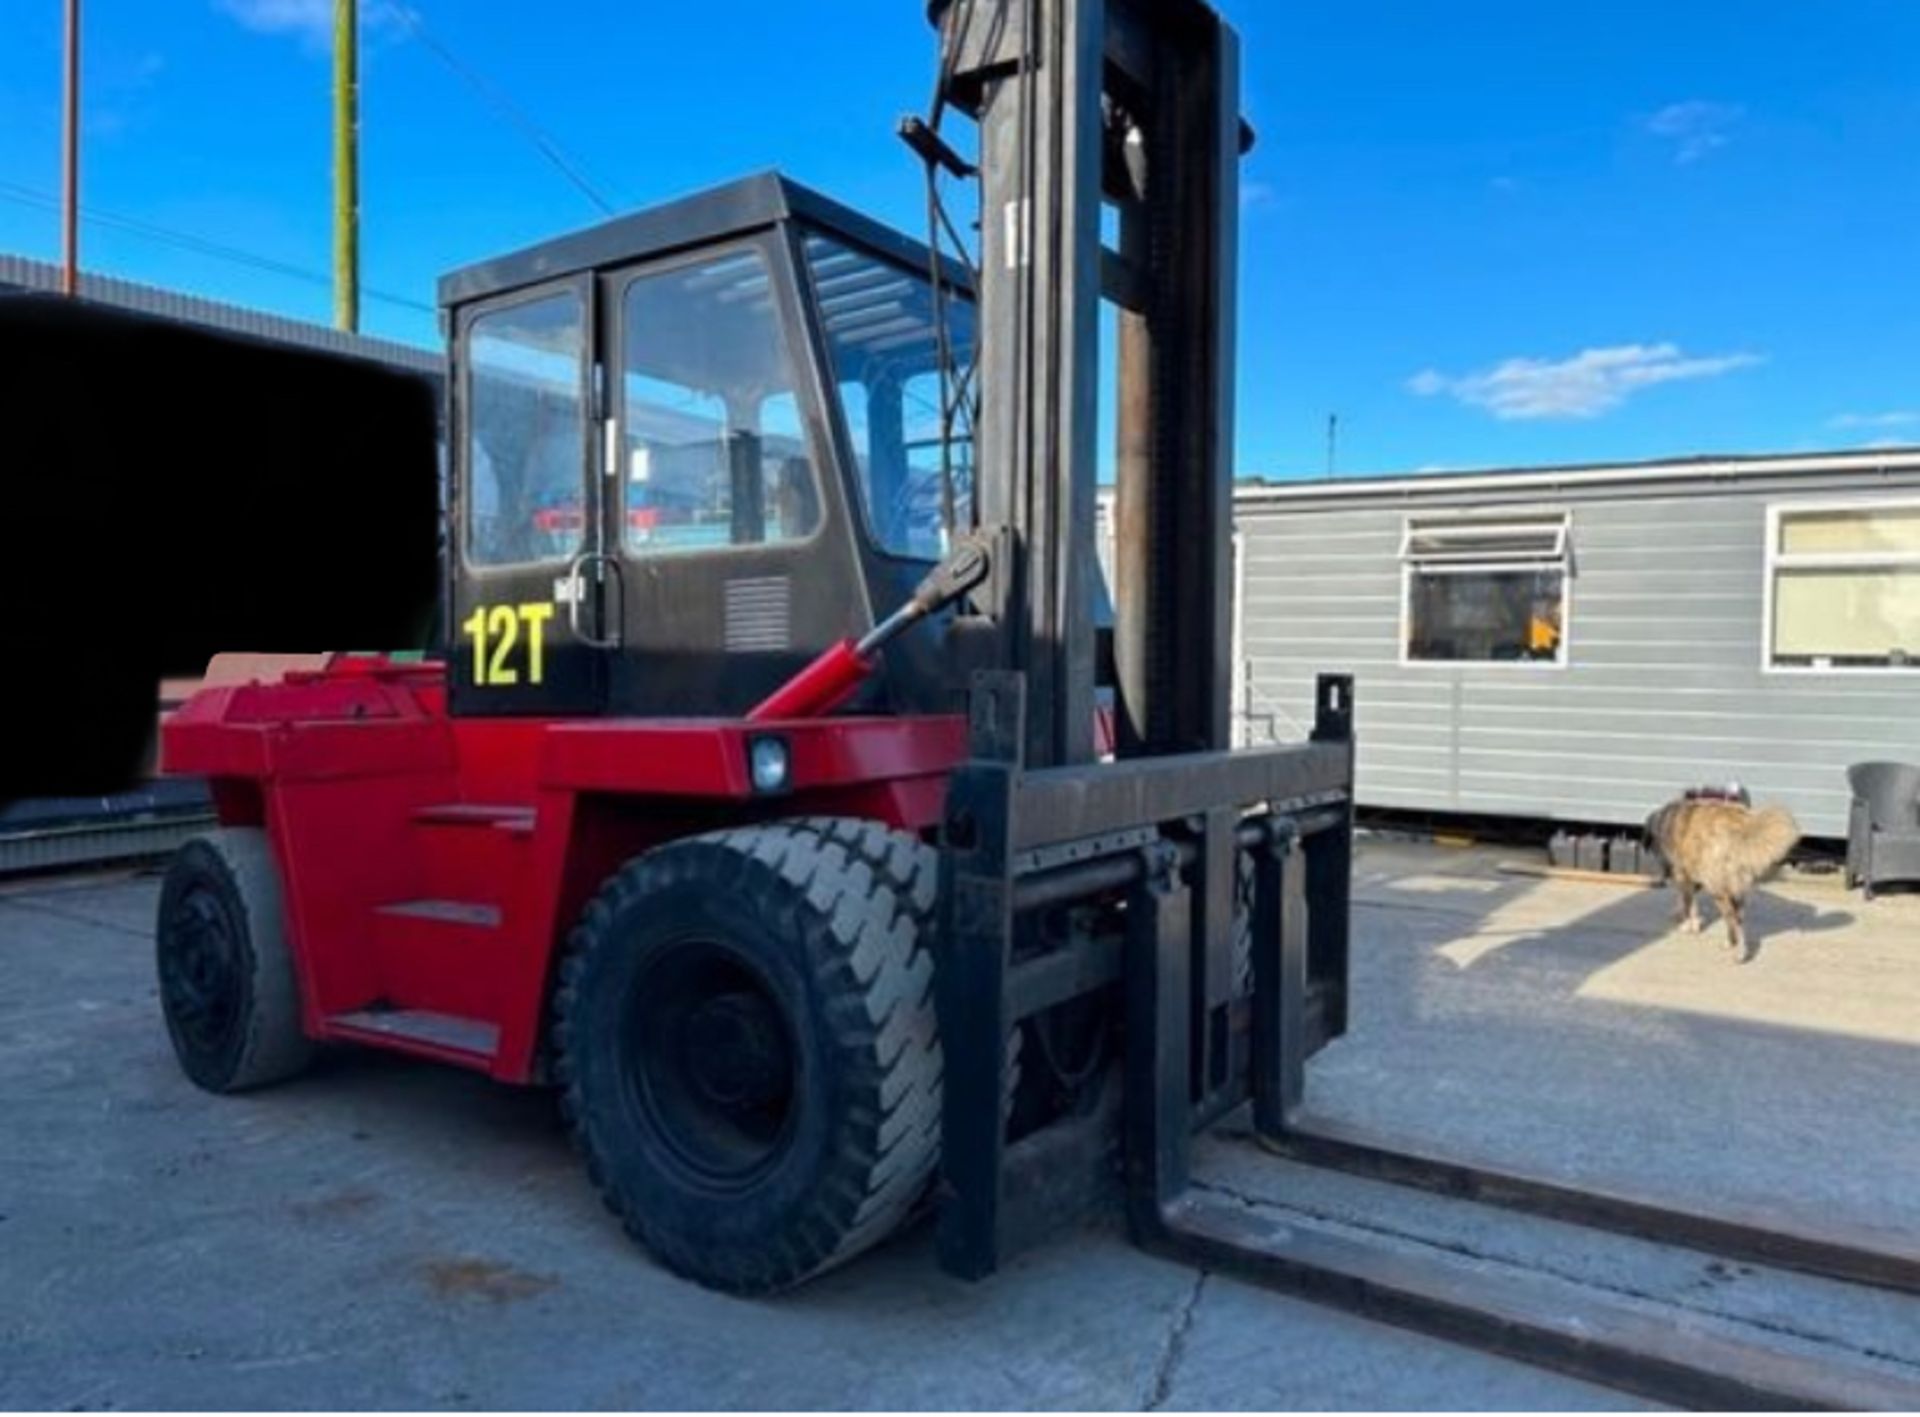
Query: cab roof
x,y
700,219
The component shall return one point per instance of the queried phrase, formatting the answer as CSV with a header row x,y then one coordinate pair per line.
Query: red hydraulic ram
x,y
840,669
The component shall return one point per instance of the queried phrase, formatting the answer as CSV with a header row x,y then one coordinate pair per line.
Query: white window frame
x,y
1556,521
1776,559
1237,720
1473,562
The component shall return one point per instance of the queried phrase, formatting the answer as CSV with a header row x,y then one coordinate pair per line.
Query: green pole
x,y
346,166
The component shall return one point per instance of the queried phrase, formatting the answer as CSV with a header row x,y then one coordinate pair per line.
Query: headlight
x,y
767,764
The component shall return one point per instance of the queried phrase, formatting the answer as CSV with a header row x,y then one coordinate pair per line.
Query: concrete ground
x,y
396,1235
384,1234
1574,1029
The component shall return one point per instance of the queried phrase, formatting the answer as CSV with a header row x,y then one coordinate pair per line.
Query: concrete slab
x,y
394,1235
1227,1364
1833,1325
1572,1030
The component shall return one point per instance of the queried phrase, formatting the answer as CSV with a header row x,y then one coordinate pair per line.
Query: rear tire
x,y
228,988
747,1050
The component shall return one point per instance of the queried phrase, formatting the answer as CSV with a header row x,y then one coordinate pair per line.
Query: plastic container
x,y
1560,850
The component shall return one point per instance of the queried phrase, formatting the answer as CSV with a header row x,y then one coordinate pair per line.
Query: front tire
x,y
746,1045
228,988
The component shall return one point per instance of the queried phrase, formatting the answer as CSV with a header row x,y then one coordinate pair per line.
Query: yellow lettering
x,y
496,630
535,616
502,621
476,629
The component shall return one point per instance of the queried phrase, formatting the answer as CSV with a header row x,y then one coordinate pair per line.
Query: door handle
x,y
577,585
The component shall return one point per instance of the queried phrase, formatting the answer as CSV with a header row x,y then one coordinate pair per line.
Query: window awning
x,y
1485,541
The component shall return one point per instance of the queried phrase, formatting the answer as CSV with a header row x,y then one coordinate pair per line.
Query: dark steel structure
x,y
1134,105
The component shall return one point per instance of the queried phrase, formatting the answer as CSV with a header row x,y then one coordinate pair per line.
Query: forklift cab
x,y
694,447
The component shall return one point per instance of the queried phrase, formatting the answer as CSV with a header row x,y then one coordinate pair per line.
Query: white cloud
x,y
1695,128
1583,386
309,21
1257,195
1897,418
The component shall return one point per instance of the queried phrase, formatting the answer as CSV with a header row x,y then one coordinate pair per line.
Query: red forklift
x,y
790,797
757,804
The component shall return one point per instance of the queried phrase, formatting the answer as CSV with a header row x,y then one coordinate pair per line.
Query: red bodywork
x,y
433,864
819,689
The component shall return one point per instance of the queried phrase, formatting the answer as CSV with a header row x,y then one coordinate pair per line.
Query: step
x,y
508,817
422,1030
447,912
1665,1322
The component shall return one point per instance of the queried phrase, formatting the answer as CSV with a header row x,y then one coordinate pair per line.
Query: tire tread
x,y
275,1046
866,931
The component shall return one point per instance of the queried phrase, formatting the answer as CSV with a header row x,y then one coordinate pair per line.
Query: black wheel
x,y
227,982
745,1040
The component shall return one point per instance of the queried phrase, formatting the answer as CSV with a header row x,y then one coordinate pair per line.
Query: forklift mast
x,y
1082,104
1185,902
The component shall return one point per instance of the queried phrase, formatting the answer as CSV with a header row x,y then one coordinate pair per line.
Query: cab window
x,y
714,449
913,463
526,432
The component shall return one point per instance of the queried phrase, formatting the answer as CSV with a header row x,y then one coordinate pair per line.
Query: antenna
x,y
1333,439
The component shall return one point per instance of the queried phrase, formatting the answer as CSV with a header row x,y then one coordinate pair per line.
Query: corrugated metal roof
x,y
23,273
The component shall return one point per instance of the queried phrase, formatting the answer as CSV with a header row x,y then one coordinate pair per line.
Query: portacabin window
x,y
1485,590
1843,585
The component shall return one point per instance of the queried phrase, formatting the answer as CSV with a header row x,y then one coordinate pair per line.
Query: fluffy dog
x,y
1722,848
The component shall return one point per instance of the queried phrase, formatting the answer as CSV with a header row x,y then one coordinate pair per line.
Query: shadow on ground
x,y
1572,1029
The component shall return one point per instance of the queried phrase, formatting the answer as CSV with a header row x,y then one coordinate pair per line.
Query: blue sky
x,y
1482,233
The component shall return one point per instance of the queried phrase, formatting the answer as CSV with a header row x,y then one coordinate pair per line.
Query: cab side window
x,y
716,453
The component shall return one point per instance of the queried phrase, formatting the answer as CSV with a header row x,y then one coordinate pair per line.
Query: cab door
x,y
525,635
732,562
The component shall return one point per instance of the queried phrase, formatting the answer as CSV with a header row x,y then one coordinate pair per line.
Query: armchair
x,y
1883,825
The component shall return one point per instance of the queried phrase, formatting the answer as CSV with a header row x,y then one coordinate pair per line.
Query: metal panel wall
x,y
1663,685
